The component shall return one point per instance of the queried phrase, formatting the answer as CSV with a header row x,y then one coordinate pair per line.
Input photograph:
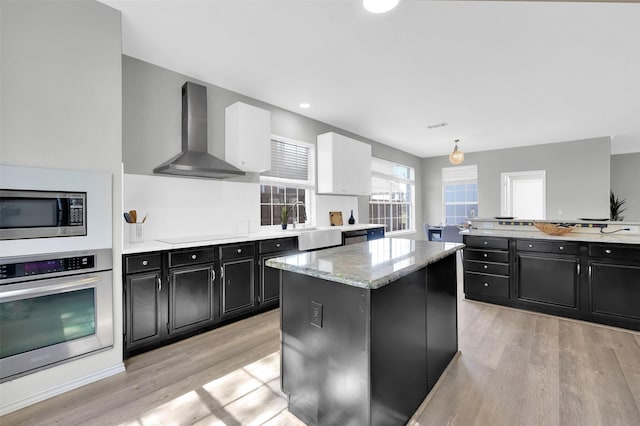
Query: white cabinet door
x,y
344,165
248,137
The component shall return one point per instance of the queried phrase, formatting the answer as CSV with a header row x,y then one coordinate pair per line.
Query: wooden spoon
x,y
134,216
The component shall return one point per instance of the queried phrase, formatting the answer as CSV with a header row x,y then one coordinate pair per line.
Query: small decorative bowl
x,y
553,228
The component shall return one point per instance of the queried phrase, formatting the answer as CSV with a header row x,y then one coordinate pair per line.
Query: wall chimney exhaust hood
x,y
194,160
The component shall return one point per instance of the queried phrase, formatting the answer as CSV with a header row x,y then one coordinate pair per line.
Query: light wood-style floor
x,y
516,368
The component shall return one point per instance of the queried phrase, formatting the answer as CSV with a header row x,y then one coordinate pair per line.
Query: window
x,y
290,181
392,196
460,193
523,194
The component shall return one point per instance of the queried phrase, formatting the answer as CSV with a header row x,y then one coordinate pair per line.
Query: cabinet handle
x,y
159,280
530,245
277,244
239,250
485,266
194,257
145,263
486,242
485,255
578,269
486,284
561,247
589,271
213,276
608,251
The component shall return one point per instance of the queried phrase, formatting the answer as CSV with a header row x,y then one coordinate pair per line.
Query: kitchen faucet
x,y
304,212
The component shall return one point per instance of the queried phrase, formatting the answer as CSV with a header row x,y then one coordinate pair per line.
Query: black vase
x,y
284,226
351,219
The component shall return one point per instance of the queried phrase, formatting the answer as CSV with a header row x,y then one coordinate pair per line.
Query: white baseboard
x,y
57,390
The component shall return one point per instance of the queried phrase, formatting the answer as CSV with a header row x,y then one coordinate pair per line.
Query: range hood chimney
x,y
194,160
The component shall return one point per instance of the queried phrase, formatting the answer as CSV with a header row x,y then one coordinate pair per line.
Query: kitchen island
x,y
367,329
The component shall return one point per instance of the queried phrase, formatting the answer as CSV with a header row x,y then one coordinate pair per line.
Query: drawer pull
x,y
277,244
485,266
194,257
561,247
485,255
486,284
145,262
608,251
530,245
239,250
486,242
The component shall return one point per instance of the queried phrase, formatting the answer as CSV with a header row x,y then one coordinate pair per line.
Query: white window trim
x,y
506,180
412,182
309,184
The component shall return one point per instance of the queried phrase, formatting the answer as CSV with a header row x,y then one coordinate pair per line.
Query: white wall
x,y
61,107
578,176
625,183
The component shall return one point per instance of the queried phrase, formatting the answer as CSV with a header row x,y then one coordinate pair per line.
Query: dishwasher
x,y
354,237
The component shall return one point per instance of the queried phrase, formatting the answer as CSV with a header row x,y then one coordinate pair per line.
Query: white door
x,y
524,194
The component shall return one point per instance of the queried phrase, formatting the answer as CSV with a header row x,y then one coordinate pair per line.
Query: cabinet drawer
x,y
558,247
486,285
190,257
487,255
487,242
609,251
142,262
487,267
281,244
237,251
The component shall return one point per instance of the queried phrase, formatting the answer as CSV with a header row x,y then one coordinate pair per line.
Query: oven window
x,y
38,322
29,212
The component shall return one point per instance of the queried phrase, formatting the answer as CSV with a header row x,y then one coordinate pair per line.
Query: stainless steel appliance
x,y
28,214
54,308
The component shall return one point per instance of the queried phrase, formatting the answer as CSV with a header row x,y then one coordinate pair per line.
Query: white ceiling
x,y
502,74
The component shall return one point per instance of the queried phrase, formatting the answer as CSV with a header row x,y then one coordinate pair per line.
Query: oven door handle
x,y
66,285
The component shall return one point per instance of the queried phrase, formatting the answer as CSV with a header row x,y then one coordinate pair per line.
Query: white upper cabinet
x,y
344,165
248,137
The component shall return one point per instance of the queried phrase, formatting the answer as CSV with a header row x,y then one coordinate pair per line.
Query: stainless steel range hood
x,y
194,160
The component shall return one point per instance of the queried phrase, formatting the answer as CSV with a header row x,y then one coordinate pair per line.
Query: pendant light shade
x,y
379,6
456,157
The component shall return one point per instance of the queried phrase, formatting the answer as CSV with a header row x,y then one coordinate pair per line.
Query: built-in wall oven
x,y
53,308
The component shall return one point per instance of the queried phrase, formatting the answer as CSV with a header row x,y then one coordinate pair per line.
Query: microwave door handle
x,y
63,206
8,296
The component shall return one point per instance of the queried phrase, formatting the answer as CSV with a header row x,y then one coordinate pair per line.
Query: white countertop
x,y
178,242
571,236
371,264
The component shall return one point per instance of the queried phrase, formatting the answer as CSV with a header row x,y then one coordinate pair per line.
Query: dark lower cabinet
x,y
269,278
142,307
237,266
191,298
615,290
548,280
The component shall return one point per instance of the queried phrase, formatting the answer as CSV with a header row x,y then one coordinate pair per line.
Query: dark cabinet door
x,y
237,286
191,298
615,290
143,312
548,280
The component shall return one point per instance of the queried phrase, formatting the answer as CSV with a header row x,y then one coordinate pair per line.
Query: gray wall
x,y
577,178
151,124
62,108
625,183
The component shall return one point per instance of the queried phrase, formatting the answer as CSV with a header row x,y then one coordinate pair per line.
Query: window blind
x,y
288,161
460,174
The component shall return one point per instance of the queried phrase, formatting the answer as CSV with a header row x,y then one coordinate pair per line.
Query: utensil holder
x,y
136,232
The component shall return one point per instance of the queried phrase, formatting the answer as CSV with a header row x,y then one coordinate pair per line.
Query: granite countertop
x,y
209,240
369,265
571,236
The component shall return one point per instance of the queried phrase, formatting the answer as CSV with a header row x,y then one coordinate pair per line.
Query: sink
x,y
319,238
310,228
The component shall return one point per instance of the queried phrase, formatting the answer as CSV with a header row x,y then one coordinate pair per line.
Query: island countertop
x,y
369,265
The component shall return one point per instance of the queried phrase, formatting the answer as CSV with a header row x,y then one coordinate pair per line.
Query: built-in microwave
x,y
28,214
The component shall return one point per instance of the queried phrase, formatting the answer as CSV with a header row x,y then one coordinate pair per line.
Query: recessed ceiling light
x,y
304,105
435,126
379,6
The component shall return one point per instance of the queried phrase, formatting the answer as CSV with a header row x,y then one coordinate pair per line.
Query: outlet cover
x,y
316,314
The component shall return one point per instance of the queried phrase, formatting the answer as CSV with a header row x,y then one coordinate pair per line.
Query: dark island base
x,y
366,357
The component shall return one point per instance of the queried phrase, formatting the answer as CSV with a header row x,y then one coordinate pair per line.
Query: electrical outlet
x,y
316,314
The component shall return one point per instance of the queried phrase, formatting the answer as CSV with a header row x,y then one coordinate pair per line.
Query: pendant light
x,y
456,157
379,6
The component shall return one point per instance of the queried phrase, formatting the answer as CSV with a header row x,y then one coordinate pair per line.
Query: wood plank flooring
x,y
516,368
